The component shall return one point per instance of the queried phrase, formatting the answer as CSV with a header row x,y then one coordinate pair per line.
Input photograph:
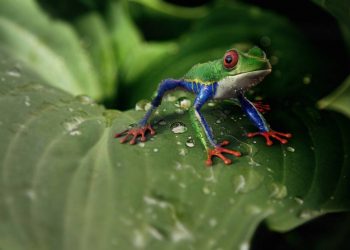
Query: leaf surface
x,y
66,183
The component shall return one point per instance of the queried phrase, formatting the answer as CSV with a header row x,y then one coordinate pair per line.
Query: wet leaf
x,y
49,47
66,183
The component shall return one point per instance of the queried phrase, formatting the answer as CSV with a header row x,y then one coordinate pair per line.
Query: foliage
x,y
66,183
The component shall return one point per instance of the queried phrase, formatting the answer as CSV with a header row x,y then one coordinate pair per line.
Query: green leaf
x,y
133,53
98,43
66,183
339,100
50,48
174,10
340,9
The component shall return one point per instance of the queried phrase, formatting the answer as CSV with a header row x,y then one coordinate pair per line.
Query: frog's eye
x,y
230,59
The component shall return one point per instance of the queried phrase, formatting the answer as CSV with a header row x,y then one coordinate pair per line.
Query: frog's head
x,y
242,70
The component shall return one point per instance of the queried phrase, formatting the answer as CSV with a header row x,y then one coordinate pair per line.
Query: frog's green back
x,y
205,73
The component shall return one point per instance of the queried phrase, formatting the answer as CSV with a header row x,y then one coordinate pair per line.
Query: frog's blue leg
x,y
164,86
199,123
143,125
203,130
258,120
253,114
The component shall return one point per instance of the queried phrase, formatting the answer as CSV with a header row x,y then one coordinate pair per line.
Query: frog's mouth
x,y
231,85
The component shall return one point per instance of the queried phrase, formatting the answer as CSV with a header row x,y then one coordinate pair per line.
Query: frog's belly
x,y
232,85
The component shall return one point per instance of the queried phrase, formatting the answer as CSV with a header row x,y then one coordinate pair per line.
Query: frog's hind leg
x,y
259,121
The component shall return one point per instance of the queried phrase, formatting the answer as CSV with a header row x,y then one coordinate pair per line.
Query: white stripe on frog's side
x,y
231,85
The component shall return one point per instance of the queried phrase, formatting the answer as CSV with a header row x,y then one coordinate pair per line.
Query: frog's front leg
x,y
143,126
203,130
264,129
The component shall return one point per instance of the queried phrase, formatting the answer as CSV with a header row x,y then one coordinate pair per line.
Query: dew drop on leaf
x,y
308,214
277,190
143,105
239,183
183,151
27,101
183,103
190,142
291,149
85,99
178,127
206,190
244,246
72,125
14,72
299,200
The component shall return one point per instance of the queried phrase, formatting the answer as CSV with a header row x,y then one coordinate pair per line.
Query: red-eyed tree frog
x,y
225,78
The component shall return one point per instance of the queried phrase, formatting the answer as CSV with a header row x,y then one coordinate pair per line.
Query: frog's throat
x,y
230,86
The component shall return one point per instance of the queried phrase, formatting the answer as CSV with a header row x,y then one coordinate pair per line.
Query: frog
x,y
229,77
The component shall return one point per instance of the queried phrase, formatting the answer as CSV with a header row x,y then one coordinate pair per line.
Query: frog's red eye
x,y
230,59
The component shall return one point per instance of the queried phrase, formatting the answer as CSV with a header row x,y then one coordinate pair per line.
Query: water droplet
x,y
14,72
307,79
278,191
142,105
75,132
252,209
299,200
211,104
290,149
183,151
180,233
190,142
265,41
27,101
206,190
244,246
179,111
72,125
213,222
238,183
248,180
85,99
31,194
138,239
178,127
162,122
171,98
309,214
182,185
183,103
